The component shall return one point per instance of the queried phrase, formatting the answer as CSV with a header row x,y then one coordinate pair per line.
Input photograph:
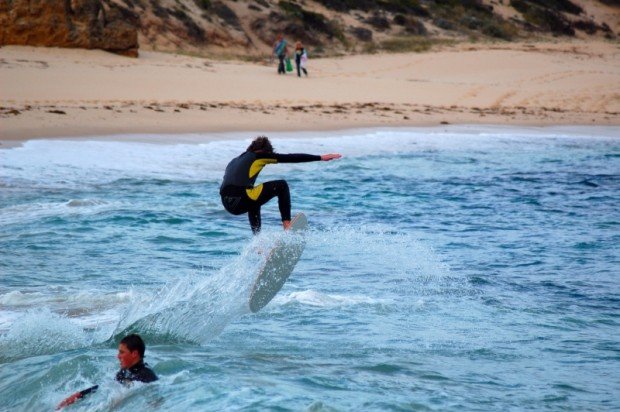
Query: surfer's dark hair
x,y
134,342
260,144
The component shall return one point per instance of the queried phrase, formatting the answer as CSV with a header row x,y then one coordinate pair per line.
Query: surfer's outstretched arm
x,y
330,156
296,157
78,395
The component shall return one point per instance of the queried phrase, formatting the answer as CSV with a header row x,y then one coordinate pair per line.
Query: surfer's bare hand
x,y
69,401
330,156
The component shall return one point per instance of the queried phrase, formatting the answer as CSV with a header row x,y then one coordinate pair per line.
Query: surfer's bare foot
x,y
286,224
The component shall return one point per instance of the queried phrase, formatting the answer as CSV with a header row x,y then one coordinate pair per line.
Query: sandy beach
x,y
51,92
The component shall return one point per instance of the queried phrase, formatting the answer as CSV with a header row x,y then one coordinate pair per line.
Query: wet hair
x,y
261,143
134,342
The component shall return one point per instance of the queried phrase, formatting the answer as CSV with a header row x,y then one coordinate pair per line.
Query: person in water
x,y
131,358
240,194
133,369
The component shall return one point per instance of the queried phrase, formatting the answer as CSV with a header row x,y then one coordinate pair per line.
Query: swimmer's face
x,y
126,357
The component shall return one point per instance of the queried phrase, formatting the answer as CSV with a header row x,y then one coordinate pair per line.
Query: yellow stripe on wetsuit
x,y
254,192
257,166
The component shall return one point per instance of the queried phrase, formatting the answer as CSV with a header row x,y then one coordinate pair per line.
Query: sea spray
x,y
369,261
197,308
369,249
39,332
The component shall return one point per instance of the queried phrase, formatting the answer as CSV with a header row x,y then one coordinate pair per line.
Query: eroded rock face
x,y
90,24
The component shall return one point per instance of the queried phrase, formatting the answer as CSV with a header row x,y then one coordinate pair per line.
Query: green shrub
x,y
227,14
394,6
159,11
407,44
403,6
559,5
361,33
499,30
203,4
193,30
311,21
379,22
544,18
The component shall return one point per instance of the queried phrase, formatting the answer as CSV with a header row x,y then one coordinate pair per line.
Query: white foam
x,y
379,248
93,312
63,298
40,331
76,163
314,298
73,207
199,307
7,318
85,202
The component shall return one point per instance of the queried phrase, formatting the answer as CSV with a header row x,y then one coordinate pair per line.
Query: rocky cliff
x,y
90,24
247,28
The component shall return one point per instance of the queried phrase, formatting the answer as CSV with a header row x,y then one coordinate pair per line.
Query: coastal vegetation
x,y
247,28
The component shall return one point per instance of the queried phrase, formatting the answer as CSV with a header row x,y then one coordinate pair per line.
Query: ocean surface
x,y
456,268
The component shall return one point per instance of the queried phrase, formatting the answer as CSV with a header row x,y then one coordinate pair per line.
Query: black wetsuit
x,y
239,195
138,372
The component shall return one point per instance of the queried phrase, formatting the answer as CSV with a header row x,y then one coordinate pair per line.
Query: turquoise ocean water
x,y
466,269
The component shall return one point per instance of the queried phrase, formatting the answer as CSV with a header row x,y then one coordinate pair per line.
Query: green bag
x,y
289,65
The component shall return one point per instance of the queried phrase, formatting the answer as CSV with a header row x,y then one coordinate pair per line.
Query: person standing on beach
x,y
301,57
239,193
133,369
280,50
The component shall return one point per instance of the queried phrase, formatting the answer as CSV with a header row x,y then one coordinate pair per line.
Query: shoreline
x,y
55,93
557,130
45,122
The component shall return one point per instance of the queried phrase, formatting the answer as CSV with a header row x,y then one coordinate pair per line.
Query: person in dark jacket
x,y
133,369
280,49
239,191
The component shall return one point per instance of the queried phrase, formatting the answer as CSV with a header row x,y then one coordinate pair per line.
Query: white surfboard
x,y
278,265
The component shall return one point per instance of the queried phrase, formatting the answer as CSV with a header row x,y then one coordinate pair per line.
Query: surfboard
x,y
278,265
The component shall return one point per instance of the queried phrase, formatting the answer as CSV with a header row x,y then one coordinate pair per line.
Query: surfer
x,y
133,369
131,357
240,195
